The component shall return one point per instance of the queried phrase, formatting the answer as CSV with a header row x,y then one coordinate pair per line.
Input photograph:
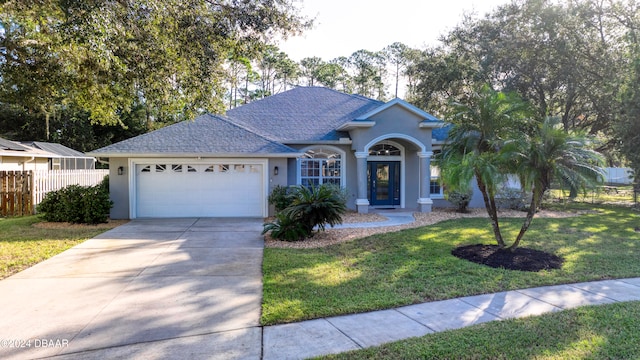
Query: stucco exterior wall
x,y
412,171
281,179
119,188
395,120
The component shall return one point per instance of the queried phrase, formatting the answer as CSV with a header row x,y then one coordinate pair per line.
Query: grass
x,y
591,332
23,245
623,194
416,265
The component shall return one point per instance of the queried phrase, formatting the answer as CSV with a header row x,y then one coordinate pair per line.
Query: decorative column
x,y
362,202
424,202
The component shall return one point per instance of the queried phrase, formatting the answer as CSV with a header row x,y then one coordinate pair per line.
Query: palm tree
x,y
482,126
551,154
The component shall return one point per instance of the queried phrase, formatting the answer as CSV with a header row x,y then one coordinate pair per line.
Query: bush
x,y
280,197
286,228
460,200
77,204
514,199
309,208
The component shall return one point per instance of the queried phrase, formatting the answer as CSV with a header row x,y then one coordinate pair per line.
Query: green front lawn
x,y
24,244
622,194
591,332
416,265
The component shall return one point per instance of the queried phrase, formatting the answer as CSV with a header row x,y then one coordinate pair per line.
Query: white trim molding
x,y
381,138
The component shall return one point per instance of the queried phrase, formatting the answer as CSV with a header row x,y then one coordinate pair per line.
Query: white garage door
x,y
200,190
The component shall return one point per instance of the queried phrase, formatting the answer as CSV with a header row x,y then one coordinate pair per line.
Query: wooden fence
x,y
16,195
21,191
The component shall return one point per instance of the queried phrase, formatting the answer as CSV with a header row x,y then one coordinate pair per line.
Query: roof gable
x,y
423,115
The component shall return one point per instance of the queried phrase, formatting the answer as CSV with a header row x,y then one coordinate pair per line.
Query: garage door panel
x,y
188,190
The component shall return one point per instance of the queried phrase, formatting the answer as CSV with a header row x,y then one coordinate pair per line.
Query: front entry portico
x,y
393,145
394,172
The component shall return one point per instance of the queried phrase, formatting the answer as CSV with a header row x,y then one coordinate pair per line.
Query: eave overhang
x,y
430,124
356,124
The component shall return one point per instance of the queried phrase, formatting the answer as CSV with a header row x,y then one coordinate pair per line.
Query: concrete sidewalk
x,y
351,332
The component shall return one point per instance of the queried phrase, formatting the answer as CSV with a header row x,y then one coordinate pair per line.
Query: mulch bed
x,y
522,259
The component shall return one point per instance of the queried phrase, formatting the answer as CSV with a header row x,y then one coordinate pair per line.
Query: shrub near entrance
x,y
309,207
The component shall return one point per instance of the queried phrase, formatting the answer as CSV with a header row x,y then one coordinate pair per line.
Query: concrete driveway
x,y
162,288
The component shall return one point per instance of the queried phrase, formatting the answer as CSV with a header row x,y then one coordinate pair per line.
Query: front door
x,y
384,182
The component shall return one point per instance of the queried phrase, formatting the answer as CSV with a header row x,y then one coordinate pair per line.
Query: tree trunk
x,y
46,125
492,210
148,115
397,77
535,201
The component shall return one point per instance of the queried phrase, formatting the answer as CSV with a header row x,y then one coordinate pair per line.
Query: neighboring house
x,y
17,157
227,165
63,158
33,155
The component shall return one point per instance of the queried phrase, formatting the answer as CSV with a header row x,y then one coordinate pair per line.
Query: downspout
x,y
26,162
106,162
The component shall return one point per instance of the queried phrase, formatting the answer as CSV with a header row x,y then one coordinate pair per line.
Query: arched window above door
x,y
384,149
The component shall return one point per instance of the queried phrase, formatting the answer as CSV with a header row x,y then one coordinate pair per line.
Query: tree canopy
x,y
108,57
142,64
570,60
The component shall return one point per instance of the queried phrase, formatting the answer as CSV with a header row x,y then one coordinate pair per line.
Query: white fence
x,y
51,180
618,176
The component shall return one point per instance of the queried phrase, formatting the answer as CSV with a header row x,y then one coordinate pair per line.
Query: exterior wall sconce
x,y
121,170
275,170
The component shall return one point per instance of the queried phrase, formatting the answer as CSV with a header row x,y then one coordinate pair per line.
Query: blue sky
x,y
345,26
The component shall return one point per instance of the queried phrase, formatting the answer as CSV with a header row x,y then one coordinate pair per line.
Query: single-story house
x,y
35,155
216,165
63,158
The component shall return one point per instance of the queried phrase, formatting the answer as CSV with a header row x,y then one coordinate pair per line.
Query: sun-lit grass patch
x,y
416,265
24,244
608,194
329,274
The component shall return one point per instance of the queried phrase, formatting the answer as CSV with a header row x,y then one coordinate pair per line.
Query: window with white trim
x,y
436,189
321,166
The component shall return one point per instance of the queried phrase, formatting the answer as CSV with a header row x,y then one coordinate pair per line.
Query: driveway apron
x,y
153,288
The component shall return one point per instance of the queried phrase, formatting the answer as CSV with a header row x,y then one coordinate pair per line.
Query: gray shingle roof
x,y
54,148
303,114
207,134
10,145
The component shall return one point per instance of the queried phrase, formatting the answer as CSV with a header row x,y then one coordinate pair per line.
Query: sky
x,y
345,26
